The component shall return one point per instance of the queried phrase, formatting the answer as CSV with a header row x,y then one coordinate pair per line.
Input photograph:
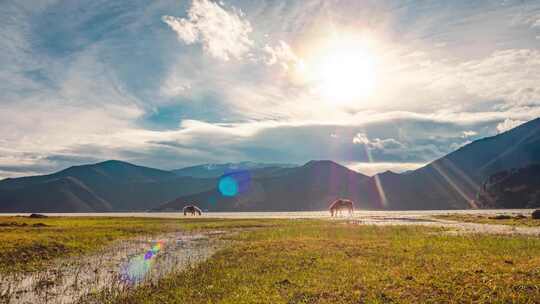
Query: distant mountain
x,y
309,187
216,170
63,194
515,188
454,180
451,182
111,171
106,186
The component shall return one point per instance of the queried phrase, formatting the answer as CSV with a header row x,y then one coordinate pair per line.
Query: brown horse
x,y
194,210
341,204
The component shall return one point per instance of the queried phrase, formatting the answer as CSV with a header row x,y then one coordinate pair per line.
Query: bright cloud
x,y
71,94
224,34
377,143
371,169
509,74
282,54
508,124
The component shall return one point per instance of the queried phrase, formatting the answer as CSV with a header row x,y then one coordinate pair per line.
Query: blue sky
x,y
176,83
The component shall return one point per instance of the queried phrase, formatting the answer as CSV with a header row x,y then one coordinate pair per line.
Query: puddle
x,y
120,267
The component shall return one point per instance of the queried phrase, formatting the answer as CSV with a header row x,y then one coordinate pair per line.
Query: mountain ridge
x,y
216,170
449,182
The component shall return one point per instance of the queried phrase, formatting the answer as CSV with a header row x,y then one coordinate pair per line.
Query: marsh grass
x,y
485,219
332,262
29,244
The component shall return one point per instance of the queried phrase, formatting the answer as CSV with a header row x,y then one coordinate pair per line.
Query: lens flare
x,y
228,186
233,183
136,268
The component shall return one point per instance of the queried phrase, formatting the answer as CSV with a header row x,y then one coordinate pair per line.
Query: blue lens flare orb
x,y
228,186
234,183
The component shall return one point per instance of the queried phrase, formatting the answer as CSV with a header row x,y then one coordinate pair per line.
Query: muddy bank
x,y
119,267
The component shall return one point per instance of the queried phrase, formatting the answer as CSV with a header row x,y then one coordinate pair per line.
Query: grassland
x,y
485,219
302,261
332,262
28,244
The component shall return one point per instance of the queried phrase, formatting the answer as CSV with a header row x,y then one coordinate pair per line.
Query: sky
x,y
375,85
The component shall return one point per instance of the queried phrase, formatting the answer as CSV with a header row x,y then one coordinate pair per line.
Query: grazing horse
x,y
341,204
194,210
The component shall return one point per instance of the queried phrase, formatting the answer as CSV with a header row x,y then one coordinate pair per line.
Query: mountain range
x,y
462,179
217,170
106,186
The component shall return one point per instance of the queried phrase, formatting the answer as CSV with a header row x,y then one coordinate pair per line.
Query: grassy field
x,y
302,261
28,244
332,262
485,219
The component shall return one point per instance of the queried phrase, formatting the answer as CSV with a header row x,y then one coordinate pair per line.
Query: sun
x,y
344,71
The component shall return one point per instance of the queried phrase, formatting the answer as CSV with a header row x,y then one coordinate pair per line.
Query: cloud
x,y
281,54
393,139
508,124
223,34
371,169
527,18
377,143
70,93
507,74
469,133
505,77
361,138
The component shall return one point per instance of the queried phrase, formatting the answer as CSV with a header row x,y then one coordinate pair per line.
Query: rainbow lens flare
x,y
136,268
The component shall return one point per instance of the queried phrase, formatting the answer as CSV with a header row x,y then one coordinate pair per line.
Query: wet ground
x,y
454,227
119,267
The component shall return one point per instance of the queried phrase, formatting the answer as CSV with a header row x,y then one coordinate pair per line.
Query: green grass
x,y
28,248
484,219
301,261
332,262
